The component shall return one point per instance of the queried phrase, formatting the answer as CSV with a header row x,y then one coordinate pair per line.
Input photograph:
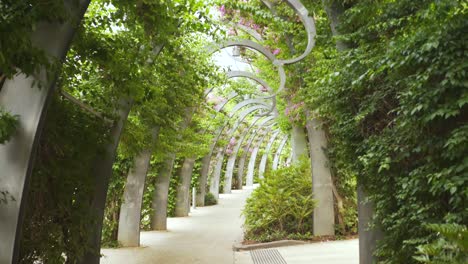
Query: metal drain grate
x,y
267,256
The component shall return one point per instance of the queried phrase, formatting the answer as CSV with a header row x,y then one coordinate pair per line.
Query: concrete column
x,y
130,211
263,161
19,97
367,237
298,143
205,167
289,160
232,158
182,208
103,173
257,149
161,192
251,168
129,218
324,212
278,153
214,184
242,159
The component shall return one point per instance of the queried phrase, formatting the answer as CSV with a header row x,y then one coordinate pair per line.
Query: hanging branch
x,y
85,107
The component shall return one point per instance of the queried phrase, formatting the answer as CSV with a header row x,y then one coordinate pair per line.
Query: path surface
x,y
207,237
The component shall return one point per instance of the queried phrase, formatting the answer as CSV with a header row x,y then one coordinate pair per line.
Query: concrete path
x,y
207,237
335,252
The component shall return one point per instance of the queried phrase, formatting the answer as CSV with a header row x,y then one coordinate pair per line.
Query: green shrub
x,y
210,199
451,247
281,207
8,125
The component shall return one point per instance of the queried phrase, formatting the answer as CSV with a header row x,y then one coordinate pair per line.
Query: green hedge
x,y
282,206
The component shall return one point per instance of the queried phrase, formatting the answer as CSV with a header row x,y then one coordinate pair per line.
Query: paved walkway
x,y
207,236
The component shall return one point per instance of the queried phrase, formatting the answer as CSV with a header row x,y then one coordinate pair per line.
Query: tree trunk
x,y
130,211
183,190
29,103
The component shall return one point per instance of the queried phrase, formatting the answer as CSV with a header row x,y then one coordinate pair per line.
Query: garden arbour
x,y
17,156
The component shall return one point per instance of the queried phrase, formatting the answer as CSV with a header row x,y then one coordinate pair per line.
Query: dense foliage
x,y
451,247
388,80
58,214
281,206
395,103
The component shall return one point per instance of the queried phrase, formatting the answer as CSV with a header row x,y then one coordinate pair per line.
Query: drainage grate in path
x,y
267,256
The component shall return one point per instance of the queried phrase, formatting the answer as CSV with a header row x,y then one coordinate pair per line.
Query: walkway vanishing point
x,y
208,235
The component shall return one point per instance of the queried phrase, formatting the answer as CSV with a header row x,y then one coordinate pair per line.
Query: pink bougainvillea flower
x,y
222,10
232,141
276,51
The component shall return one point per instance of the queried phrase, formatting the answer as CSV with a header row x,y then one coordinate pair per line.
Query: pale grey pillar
x,y
298,143
251,168
130,211
30,104
205,167
263,161
289,160
232,158
278,152
214,184
368,237
324,212
161,190
129,219
257,147
241,167
183,189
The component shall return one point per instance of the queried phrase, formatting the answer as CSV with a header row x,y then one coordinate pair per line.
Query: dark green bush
x,y
282,206
210,199
451,247
58,217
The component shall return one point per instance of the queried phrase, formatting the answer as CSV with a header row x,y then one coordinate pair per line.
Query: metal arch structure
x,y
263,161
206,160
249,180
309,26
214,186
232,158
255,46
19,97
278,152
246,74
253,159
241,165
249,31
223,104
